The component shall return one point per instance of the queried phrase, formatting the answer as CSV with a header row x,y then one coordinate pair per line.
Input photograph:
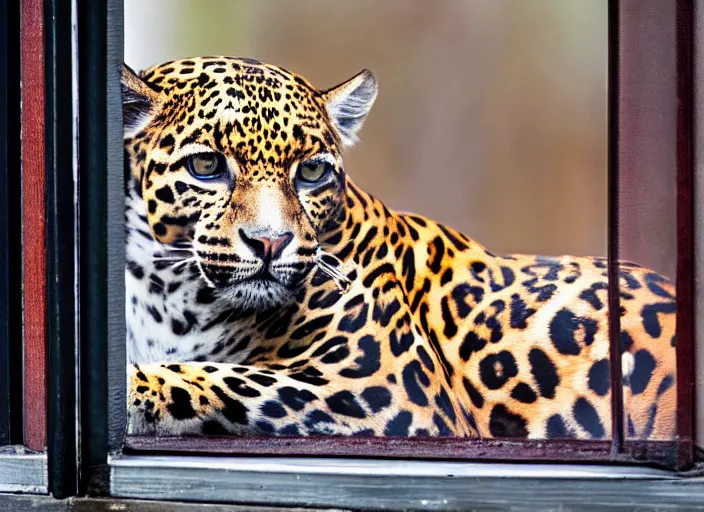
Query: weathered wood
x,y
664,453
117,411
22,472
34,224
47,504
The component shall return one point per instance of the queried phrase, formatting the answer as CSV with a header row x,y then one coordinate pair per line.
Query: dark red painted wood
x,y
614,300
685,225
34,224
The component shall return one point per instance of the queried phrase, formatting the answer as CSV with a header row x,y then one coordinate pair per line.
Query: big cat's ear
x,y
139,101
349,103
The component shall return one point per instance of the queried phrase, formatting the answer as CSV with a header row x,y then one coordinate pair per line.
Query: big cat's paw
x,y
156,406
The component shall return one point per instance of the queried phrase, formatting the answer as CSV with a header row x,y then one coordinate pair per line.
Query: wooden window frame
x,y
625,59
34,224
71,55
10,229
23,279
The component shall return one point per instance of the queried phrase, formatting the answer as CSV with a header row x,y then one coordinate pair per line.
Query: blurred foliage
x,y
491,114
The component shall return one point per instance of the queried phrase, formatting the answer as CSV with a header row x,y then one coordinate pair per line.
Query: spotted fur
x,y
232,327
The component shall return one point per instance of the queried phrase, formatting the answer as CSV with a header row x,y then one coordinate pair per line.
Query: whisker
x,y
169,258
176,252
172,263
340,279
208,282
229,316
192,259
177,243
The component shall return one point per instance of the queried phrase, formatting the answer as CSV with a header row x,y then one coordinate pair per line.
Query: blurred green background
x,y
491,116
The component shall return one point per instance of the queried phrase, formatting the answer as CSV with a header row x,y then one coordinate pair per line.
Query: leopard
x,y
268,295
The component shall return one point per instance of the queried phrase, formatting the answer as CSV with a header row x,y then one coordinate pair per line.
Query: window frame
x,y
697,309
10,228
34,223
624,59
685,332
88,452
24,462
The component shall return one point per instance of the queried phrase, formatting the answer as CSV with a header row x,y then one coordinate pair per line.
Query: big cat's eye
x,y
311,172
206,166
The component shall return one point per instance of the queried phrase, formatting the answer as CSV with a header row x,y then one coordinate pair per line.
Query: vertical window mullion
x,y
116,346
10,244
616,381
685,226
698,199
61,275
92,33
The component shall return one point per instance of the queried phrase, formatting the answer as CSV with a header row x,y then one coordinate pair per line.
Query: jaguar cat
x,y
268,294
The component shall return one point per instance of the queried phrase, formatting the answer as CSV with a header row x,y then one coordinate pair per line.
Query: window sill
x,y
427,485
23,472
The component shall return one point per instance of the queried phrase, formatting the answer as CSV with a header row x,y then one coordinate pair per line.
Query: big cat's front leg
x,y
215,398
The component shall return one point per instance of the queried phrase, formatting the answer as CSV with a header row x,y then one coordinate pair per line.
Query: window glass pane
x,y
647,207
491,119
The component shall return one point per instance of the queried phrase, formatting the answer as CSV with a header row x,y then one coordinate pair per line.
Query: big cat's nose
x,y
267,247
